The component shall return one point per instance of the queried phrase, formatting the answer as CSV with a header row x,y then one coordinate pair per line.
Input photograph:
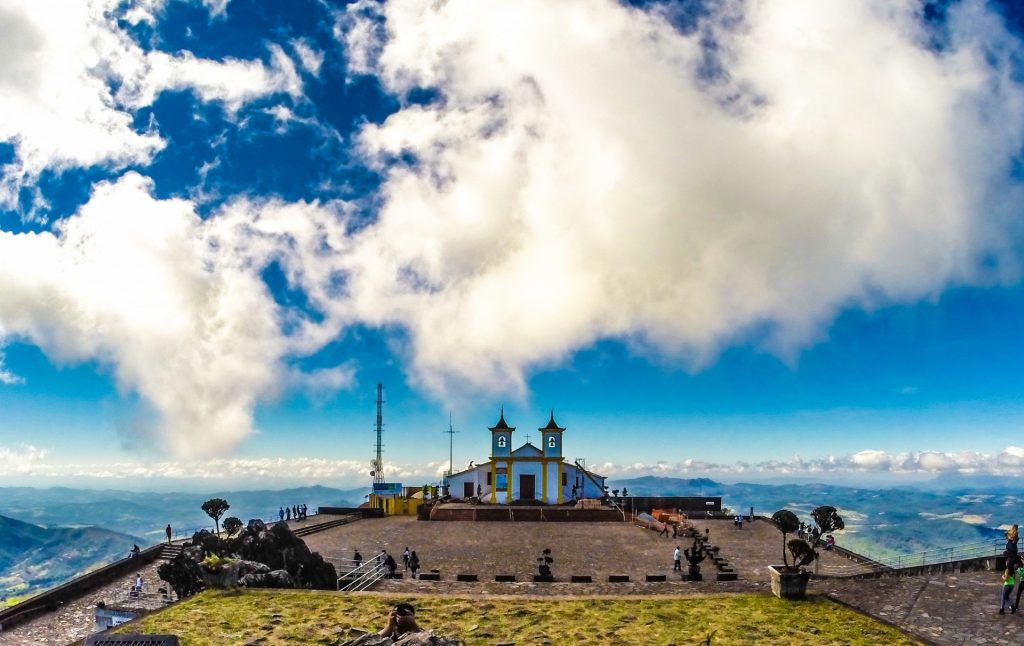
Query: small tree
x,y
215,508
232,525
827,519
802,553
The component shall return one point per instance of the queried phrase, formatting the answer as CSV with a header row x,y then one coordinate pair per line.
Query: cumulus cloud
x,y
563,191
173,304
6,376
21,459
60,64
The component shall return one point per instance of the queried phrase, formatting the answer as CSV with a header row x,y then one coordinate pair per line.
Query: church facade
x,y
526,473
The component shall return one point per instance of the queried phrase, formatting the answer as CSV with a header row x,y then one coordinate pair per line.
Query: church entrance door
x,y
467,490
527,487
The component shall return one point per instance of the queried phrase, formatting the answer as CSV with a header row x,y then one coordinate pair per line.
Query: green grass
x,y
305,617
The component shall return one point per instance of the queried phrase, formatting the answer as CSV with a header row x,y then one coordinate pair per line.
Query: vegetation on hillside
x,y
298,617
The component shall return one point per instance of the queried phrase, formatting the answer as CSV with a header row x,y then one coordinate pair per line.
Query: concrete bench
x,y
728,576
618,578
655,578
540,578
430,576
466,577
582,578
505,578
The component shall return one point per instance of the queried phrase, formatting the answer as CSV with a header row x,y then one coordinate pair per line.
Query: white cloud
x,y
6,376
22,459
567,191
57,107
310,58
175,305
31,461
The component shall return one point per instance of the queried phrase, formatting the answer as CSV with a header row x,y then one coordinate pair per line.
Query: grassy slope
x,y
304,617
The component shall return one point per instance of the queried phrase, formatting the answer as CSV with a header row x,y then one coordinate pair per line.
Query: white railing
x,y
963,552
359,577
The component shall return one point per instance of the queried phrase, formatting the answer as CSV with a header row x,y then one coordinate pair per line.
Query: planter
x,y
787,584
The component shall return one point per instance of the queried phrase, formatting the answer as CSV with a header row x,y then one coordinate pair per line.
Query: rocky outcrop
x,y
256,557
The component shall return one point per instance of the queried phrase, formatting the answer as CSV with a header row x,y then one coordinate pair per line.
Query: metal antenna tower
x,y
378,463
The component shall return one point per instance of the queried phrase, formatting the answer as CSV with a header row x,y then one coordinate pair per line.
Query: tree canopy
x,y
215,508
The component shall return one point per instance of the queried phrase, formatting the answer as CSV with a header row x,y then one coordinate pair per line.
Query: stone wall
x,y
524,514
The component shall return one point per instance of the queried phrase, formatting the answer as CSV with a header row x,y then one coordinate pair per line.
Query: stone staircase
x,y
320,527
168,551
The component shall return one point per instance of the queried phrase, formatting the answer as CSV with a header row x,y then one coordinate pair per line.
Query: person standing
x,y
677,558
280,513
405,557
414,563
357,558
1020,586
167,530
1011,543
1009,579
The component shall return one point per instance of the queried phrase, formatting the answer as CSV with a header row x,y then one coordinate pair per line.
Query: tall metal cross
x,y
451,439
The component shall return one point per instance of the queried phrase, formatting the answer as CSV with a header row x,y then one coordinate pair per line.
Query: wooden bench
x,y
618,578
466,577
505,578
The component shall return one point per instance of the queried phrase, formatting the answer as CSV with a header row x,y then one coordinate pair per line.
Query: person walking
x,y
167,530
414,563
1020,586
677,558
405,557
357,558
1009,579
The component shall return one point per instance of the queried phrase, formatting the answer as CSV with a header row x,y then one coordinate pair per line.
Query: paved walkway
x,y
952,609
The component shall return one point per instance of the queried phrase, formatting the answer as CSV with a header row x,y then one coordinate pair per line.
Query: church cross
x,y
527,438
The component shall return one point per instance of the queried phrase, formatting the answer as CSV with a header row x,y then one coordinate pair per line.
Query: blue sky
x,y
753,240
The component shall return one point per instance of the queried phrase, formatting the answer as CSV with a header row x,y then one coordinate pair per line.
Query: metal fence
x,y
963,552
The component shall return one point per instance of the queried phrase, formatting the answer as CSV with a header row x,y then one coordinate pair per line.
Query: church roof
x,y
552,426
502,425
527,449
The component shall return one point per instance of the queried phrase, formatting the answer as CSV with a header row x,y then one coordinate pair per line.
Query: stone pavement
x,y
74,621
945,609
597,549
950,609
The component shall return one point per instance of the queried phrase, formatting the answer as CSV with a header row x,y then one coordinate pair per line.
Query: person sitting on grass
x,y
401,621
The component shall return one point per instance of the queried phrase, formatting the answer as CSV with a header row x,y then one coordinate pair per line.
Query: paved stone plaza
x,y
943,609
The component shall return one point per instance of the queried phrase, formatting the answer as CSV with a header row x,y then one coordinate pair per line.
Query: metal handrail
x,y
964,551
369,573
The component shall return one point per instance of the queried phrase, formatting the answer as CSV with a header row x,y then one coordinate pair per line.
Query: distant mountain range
x,y
48,536
146,514
882,523
33,558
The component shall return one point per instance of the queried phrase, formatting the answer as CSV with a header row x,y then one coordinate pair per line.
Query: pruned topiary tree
x,y
827,519
215,508
802,553
232,525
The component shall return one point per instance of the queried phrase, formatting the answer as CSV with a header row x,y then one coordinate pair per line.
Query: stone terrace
x,y
951,609
597,549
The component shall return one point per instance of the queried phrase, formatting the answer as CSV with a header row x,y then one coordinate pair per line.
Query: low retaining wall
x,y
55,597
525,514
365,512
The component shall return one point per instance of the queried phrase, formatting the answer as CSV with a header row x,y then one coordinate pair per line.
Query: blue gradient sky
x,y
708,253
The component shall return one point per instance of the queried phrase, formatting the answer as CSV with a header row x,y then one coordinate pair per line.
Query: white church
x,y
527,473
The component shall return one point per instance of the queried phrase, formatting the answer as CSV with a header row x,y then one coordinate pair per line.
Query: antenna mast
x,y
378,464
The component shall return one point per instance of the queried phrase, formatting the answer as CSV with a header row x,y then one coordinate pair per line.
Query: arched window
x,y
551,441
501,441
